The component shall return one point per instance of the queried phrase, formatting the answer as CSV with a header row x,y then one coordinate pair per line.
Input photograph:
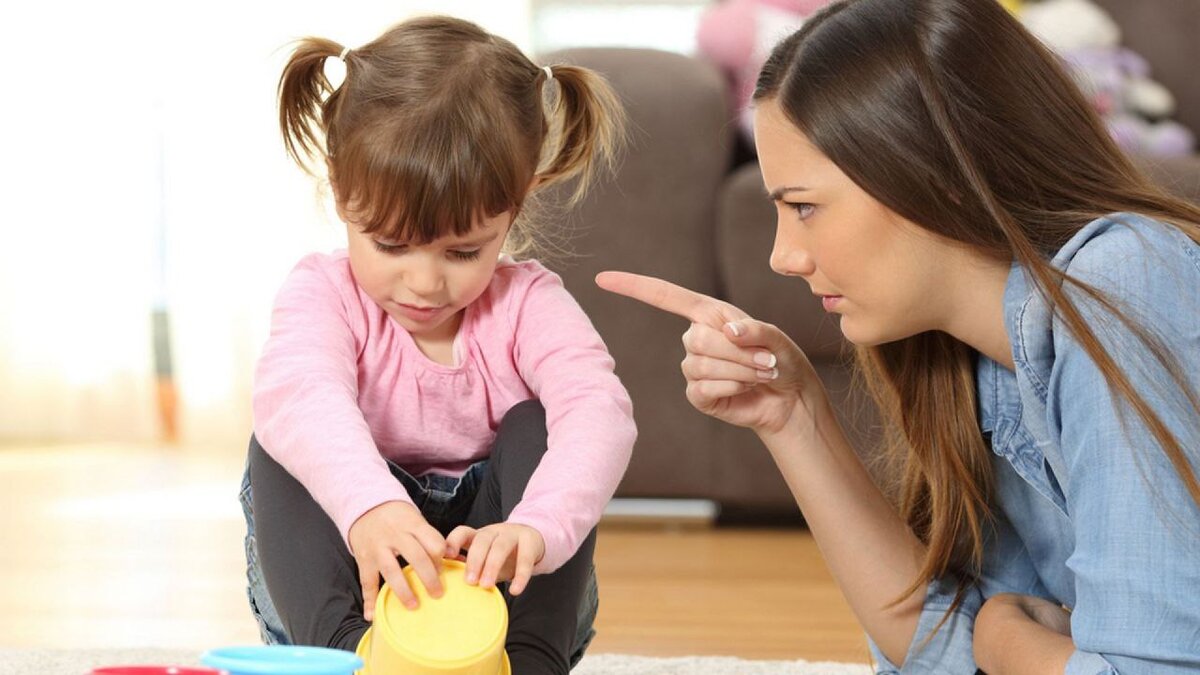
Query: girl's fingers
x,y
460,538
497,560
526,559
426,567
435,546
368,578
390,569
702,340
478,553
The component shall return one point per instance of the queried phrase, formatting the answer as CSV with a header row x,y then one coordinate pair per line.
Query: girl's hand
x,y
739,370
389,530
498,552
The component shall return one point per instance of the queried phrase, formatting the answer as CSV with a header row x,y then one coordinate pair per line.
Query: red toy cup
x,y
155,670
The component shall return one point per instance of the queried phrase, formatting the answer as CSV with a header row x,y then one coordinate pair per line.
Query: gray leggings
x,y
304,586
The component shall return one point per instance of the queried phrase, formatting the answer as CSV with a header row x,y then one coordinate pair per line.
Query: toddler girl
x,y
422,394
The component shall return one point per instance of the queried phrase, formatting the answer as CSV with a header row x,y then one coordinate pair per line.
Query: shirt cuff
x,y
950,651
1089,663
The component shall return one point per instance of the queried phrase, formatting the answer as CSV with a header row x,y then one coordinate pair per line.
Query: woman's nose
x,y
790,259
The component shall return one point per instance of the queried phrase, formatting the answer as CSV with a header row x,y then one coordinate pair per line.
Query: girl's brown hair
x,y
953,116
439,123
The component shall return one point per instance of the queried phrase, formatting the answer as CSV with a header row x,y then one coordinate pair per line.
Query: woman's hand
x,y
498,552
389,530
1022,633
739,370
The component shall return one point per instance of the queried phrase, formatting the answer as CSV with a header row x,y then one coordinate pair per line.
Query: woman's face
x,y
882,274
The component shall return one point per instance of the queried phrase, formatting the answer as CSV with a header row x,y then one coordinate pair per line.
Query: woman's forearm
x,y
871,552
1008,640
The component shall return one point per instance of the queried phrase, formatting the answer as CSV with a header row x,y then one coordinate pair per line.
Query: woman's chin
x,y
866,336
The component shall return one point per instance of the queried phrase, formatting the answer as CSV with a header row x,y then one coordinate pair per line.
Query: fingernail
x,y
768,374
765,359
471,578
735,328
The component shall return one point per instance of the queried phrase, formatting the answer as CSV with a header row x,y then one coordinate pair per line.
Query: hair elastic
x,y
549,73
342,56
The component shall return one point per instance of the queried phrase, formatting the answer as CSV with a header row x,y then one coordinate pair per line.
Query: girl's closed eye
x,y
391,249
466,255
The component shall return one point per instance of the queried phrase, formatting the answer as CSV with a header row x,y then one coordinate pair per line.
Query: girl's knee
x,y
522,431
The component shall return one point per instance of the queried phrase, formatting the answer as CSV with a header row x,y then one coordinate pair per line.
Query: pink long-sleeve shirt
x,y
340,386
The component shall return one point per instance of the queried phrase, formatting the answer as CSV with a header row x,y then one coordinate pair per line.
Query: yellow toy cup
x,y
460,633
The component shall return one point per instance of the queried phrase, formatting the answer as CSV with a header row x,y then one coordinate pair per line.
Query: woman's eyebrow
x,y
779,192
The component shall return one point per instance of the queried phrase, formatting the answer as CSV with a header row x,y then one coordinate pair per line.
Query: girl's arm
x,y
305,400
589,417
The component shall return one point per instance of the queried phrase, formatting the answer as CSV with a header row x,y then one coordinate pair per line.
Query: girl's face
x,y
883,274
425,288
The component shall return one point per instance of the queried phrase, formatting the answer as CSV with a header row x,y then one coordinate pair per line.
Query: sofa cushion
x,y
655,218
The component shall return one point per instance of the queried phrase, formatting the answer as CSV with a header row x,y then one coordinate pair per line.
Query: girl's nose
x,y
424,278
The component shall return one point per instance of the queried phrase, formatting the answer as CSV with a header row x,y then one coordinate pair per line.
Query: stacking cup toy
x,y
281,660
460,633
155,670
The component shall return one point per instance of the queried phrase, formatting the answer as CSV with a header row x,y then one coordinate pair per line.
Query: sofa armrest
x,y
655,217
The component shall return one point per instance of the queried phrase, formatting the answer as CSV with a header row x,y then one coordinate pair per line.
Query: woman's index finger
x,y
659,293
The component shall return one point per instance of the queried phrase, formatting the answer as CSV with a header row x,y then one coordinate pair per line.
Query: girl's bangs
x,y
421,188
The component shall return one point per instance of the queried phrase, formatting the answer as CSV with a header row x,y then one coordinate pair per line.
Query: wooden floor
x,y
119,546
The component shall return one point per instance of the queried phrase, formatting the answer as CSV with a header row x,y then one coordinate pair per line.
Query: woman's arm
x,y
1136,527
1022,634
871,552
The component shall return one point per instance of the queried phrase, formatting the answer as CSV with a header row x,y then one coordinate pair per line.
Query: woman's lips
x,y
830,302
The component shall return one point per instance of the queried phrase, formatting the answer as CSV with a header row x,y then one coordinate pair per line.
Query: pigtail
x,y
587,124
307,101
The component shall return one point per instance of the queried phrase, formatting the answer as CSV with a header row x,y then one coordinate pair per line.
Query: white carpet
x,y
79,662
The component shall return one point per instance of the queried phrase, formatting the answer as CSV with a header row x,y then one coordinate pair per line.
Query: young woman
x,y
1025,309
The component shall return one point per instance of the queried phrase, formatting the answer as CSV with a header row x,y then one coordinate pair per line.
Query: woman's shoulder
x,y
1127,251
1146,269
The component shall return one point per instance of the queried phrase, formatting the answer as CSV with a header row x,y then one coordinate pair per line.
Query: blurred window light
x,y
669,25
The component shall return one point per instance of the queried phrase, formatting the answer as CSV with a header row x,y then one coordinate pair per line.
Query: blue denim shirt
x,y
1090,514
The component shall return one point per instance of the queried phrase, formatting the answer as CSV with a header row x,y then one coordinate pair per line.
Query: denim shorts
x,y
445,502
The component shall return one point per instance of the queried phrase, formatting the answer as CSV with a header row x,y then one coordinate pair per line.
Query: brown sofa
x,y
685,207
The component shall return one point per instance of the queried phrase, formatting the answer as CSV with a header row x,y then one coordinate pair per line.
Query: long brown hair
x,y
439,123
953,116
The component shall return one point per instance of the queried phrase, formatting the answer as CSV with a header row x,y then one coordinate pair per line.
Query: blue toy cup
x,y
281,660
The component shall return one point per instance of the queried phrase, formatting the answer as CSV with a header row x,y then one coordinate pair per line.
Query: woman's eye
x,y
465,255
802,209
